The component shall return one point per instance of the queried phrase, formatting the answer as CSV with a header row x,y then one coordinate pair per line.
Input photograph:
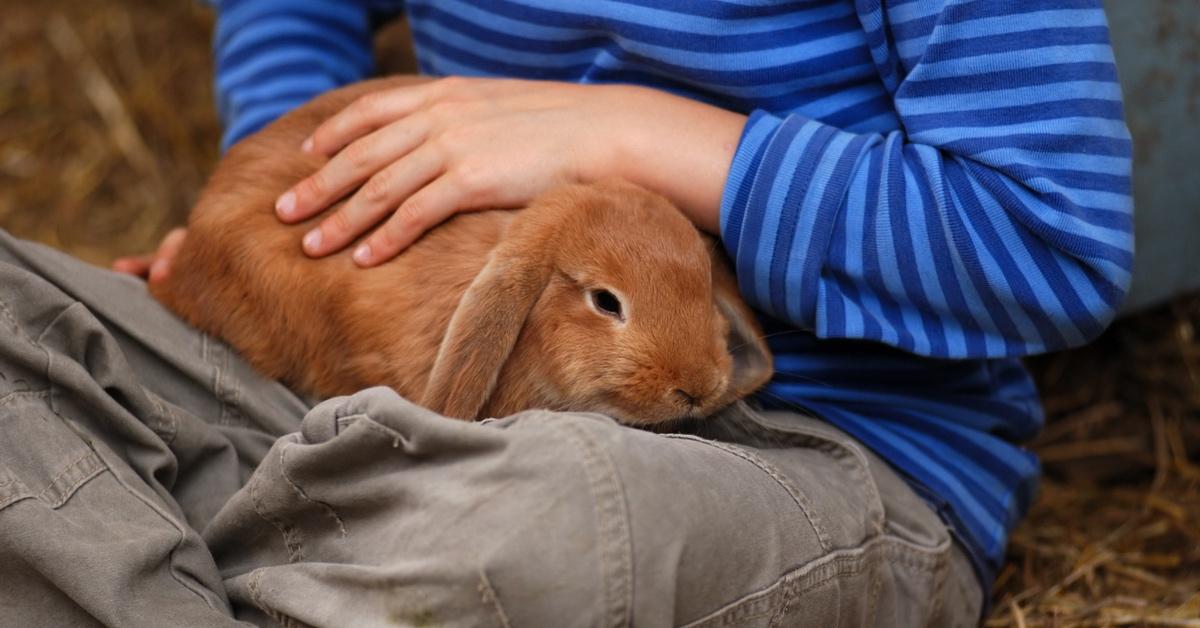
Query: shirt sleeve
x,y
997,221
272,55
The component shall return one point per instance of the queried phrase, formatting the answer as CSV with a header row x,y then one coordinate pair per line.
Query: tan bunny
x,y
596,297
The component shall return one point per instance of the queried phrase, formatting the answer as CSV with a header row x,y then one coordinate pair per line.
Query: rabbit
x,y
600,297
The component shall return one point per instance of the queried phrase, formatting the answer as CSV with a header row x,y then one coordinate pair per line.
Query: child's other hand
x,y
155,266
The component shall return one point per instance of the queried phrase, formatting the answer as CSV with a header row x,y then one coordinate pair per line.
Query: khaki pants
x,y
149,478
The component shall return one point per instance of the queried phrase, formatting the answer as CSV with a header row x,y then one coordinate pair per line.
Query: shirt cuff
x,y
786,187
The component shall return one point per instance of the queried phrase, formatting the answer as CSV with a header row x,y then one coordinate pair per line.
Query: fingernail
x,y
312,240
307,146
159,269
286,205
362,255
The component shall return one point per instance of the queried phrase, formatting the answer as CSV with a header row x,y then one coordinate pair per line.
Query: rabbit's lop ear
x,y
752,364
484,330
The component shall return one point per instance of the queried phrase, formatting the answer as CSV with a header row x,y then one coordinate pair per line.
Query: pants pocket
x,y
82,541
796,446
884,556
41,456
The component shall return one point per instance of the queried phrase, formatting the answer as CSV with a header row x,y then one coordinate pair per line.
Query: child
x,y
915,193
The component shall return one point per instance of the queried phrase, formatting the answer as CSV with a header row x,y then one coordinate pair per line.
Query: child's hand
x,y
154,266
425,152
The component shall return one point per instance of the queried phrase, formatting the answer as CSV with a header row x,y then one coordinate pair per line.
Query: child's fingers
x,y
350,167
424,210
136,265
160,268
366,114
377,199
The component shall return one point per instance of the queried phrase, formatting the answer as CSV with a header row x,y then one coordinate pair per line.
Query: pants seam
x,y
797,496
12,489
612,523
8,317
15,395
166,424
366,421
791,586
225,389
939,590
91,467
804,436
291,537
254,586
324,506
488,592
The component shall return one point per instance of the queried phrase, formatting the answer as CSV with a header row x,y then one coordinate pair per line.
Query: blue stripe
x,y
737,192
979,9
752,229
1050,74
910,274
1045,142
645,21
973,266
724,10
894,332
259,52
476,21
1007,42
1017,114
785,233
950,293
821,238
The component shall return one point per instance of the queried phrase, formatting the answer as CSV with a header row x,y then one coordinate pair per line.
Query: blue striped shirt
x,y
925,190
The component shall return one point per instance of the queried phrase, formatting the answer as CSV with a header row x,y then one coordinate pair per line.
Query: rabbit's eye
x,y
607,303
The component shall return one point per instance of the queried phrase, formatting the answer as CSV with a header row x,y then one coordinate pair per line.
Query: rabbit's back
x,y
323,326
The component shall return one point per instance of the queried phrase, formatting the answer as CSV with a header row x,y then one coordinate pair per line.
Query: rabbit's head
x,y
604,298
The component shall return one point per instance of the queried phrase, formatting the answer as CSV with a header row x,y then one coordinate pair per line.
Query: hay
x,y
1114,537
108,121
109,129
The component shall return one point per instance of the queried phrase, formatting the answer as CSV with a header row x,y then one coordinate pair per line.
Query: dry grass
x,y
1114,537
109,129
107,119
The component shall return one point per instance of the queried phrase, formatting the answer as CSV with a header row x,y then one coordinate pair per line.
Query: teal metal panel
x,y
1157,44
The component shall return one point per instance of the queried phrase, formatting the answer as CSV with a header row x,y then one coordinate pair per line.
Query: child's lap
x,y
141,432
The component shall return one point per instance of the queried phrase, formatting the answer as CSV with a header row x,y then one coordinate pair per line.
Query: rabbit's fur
x,y
488,314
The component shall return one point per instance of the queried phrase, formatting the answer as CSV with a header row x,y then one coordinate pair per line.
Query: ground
x,y
108,127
